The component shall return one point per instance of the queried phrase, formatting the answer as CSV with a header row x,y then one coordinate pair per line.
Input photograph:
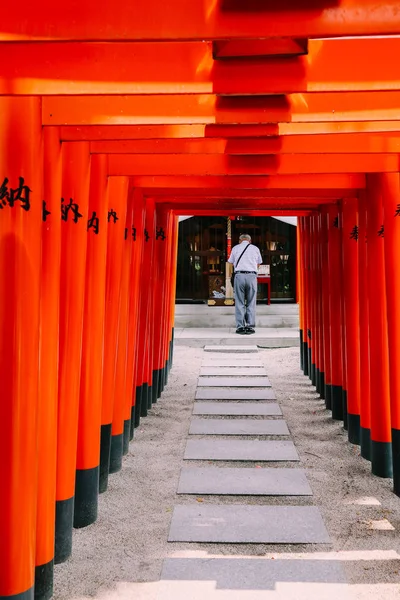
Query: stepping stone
x,y
244,482
241,364
239,524
235,394
268,409
238,427
232,349
252,450
234,382
235,371
244,361
253,578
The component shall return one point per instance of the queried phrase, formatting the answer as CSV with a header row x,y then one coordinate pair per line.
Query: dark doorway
x,y
202,254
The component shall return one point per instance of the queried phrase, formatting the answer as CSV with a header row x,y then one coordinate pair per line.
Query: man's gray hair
x,y
245,236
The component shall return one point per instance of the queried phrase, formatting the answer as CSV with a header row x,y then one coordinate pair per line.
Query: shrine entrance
x,y
203,253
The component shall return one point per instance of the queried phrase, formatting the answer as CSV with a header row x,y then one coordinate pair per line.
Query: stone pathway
x,y
234,393
265,337
224,370
255,427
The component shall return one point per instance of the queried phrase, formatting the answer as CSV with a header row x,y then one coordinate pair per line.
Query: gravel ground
x,y
121,555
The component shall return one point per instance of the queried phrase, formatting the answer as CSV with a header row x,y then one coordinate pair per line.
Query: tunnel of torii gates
x,y
115,118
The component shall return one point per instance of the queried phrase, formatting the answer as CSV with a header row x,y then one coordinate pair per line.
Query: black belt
x,y
247,272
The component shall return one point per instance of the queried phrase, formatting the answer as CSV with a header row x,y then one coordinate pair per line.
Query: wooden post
x,y
313,304
340,294
335,279
119,426
300,288
146,279
21,169
161,276
74,208
320,381
365,396
117,201
381,447
391,205
89,426
325,281
350,243
150,243
48,372
305,297
139,224
134,295
172,295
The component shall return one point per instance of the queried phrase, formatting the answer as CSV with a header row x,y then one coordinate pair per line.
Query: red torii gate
x,y
133,113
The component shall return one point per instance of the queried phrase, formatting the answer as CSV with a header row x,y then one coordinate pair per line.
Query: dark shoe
x,y
250,330
241,330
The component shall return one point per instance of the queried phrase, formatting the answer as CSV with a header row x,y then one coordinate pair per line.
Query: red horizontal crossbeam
x,y
273,164
259,48
337,181
206,20
134,132
249,212
211,109
347,143
280,204
368,126
161,146
321,195
189,68
156,132
352,143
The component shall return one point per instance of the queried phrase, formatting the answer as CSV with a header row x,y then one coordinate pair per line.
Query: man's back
x,y
250,259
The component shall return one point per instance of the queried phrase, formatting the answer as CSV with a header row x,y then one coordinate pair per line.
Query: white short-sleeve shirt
x,y
250,259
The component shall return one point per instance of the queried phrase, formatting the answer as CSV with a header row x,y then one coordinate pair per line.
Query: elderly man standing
x,y
246,259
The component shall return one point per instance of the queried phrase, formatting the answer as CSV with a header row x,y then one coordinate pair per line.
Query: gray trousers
x,y
245,299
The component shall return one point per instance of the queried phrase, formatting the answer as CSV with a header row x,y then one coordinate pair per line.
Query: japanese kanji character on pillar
x,y
45,212
4,193
10,196
160,234
21,194
354,233
71,206
112,216
93,223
